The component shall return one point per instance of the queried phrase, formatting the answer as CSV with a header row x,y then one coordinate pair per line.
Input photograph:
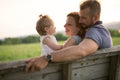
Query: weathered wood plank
x,y
67,72
79,64
90,72
118,69
53,71
32,76
102,78
15,68
115,68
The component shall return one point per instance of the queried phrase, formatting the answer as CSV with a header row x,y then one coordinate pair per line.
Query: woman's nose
x,y
65,25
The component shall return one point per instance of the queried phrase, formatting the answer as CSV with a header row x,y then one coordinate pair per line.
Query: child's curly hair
x,y
44,21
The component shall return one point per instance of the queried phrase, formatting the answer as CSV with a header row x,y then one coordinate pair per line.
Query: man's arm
x,y
86,47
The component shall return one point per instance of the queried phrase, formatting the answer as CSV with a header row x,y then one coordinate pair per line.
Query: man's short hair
x,y
93,5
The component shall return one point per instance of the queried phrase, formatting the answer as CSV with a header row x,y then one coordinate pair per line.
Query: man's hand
x,y
36,64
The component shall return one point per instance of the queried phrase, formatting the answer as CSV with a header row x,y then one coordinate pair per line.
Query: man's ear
x,y
95,18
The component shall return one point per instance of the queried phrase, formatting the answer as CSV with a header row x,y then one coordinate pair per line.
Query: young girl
x,y
46,29
73,29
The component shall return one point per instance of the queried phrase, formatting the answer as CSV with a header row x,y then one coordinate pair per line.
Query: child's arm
x,y
69,42
52,44
74,40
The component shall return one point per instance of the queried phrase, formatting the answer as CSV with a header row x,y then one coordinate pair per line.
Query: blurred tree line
x,y
115,33
29,39
35,38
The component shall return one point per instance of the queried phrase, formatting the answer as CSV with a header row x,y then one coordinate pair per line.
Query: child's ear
x,y
46,29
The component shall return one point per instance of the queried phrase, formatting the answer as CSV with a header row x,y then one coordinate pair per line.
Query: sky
x,y
18,17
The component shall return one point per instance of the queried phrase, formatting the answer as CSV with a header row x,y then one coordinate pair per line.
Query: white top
x,y
44,48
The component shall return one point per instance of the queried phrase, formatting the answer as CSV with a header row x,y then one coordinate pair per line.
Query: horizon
x,y
63,32
18,17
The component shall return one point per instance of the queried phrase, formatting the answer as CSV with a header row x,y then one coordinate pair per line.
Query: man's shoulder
x,y
100,35
97,28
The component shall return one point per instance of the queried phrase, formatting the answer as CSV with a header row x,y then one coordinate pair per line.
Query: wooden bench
x,y
102,65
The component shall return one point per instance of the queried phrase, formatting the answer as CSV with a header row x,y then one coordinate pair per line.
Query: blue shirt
x,y
100,35
77,39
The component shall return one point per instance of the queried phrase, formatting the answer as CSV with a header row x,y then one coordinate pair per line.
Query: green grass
x,y
24,51
116,41
17,52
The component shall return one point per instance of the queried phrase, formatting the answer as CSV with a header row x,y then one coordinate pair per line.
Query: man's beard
x,y
86,26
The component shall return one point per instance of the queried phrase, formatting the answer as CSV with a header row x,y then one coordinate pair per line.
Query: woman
x,y
73,29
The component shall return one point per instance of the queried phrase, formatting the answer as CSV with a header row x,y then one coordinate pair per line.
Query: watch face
x,y
49,58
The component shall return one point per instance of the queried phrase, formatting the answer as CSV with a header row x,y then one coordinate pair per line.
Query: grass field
x,y
23,51
17,52
116,41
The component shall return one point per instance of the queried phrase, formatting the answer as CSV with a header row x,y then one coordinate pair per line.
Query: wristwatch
x,y
48,58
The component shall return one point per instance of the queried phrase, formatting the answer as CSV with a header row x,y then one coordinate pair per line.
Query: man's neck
x,y
98,22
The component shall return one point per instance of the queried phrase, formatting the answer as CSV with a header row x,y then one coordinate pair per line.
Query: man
x,y
97,37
